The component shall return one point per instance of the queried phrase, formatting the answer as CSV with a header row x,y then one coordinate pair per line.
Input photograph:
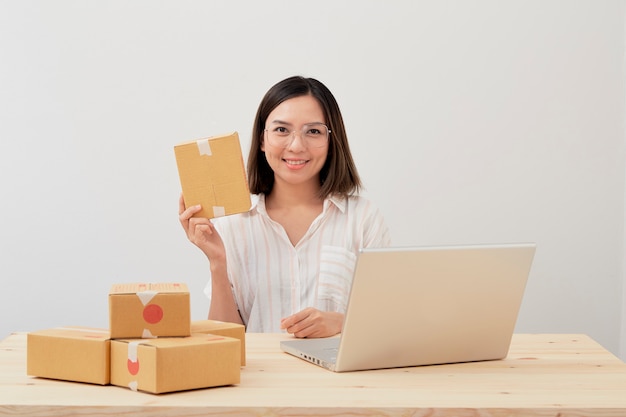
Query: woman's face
x,y
299,160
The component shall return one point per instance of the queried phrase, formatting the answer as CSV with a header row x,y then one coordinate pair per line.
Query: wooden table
x,y
544,375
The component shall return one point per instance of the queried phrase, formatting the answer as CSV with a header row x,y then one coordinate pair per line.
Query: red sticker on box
x,y
152,313
133,366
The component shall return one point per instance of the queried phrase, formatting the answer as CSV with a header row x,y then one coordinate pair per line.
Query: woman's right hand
x,y
201,232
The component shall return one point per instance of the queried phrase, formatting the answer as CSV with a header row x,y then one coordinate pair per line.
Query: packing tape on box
x,y
132,351
203,147
146,296
219,211
132,359
147,334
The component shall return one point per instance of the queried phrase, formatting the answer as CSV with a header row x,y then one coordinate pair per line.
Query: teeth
x,y
295,162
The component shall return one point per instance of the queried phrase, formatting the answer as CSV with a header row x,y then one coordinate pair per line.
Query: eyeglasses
x,y
313,135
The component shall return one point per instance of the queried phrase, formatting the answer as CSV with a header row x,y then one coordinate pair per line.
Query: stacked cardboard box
x,y
142,310
221,328
175,364
151,345
78,354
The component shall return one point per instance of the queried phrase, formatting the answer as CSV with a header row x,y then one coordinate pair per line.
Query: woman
x,y
287,264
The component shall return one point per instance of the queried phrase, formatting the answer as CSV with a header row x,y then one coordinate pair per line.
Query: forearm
x,y
223,306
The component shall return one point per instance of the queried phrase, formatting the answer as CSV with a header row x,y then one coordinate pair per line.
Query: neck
x,y
289,195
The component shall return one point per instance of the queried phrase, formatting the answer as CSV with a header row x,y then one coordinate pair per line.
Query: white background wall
x,y
470,121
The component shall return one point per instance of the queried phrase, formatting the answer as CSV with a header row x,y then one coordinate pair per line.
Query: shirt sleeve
x,y
375,230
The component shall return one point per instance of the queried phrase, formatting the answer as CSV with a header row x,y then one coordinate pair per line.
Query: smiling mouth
x,y
295,162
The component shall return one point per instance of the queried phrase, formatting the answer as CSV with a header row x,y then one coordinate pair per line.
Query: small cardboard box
x,y
222,328
212,174
79,354
149,310
175,364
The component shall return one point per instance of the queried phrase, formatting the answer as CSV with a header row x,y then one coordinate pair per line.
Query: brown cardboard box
x,y
212,174
222,328
175,364
78,354
149,310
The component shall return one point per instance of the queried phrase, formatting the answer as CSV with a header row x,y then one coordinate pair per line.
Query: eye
x,y
281,130
316,130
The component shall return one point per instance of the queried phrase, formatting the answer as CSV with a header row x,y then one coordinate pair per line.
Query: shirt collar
x,y
338,201
258,203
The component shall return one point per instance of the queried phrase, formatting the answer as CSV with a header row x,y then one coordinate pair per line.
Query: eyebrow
x,y
281,122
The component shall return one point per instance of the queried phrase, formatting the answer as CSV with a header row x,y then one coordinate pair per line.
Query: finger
x,y
285,322
298,323
292,320
305,329
187,214
181,204
195,222
203,228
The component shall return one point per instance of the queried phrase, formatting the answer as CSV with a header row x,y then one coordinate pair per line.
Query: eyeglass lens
x,y
314,135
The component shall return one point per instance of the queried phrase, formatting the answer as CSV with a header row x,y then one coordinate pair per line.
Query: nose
x,y
297,141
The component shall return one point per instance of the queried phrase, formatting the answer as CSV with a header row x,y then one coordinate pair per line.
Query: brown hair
x,y
338,175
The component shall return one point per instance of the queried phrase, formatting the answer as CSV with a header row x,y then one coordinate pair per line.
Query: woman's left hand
x,y
312,322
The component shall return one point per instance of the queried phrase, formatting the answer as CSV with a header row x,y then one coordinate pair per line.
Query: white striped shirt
x,y
271,278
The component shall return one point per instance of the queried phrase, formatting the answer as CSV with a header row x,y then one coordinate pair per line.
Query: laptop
x,y
426,306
